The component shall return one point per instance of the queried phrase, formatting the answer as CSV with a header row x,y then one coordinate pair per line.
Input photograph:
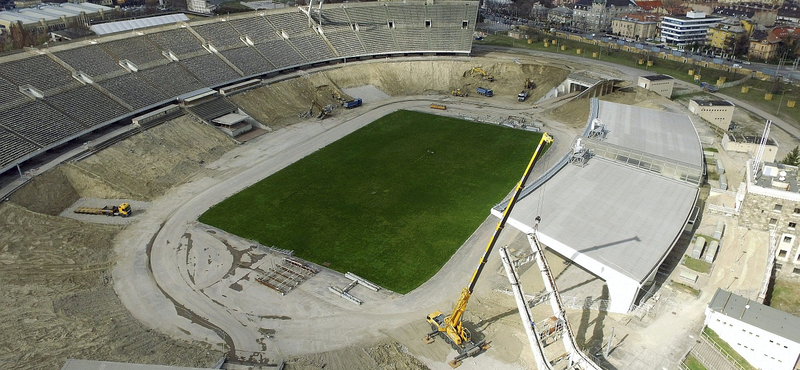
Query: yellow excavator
x,y
450,328
324,112
482,73
529,84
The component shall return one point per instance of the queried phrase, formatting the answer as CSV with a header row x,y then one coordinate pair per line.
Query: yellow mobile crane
x,y
450,328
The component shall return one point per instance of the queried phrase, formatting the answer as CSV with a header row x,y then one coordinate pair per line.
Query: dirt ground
x,y
384,356
288,99
57,300
145,166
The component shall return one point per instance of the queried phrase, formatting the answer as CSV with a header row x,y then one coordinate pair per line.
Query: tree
x,y
742,45
787,48
792,158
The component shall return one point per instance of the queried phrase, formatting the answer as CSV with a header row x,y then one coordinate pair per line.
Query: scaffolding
x,y
286,275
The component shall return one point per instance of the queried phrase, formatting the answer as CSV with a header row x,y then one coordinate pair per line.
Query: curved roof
x,y
623,217
122,26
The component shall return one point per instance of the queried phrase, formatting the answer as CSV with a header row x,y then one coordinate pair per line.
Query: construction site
x,y
103,258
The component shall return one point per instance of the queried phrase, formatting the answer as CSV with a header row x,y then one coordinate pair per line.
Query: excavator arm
x,y
451,326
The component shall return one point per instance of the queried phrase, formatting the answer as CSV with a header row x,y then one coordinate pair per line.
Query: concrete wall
x,y
770,151
762,349
764,212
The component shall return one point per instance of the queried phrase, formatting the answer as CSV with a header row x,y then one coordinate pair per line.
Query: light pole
x,y
781,102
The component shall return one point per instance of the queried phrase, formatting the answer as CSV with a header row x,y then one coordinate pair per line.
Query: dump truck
x,y
352,103
523,95
123,210
485,92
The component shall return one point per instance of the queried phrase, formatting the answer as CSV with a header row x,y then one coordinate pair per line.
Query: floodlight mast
x,y
451,328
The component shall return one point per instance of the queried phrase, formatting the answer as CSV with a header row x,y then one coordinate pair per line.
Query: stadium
x,y
146,116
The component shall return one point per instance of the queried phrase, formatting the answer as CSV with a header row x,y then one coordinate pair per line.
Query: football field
x,y
390,202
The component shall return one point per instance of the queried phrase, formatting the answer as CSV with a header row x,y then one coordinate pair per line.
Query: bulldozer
x,y
123,210
458,92
479,71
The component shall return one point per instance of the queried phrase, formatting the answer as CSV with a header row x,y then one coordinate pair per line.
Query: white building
x,y
604,214
772,204
597,15
767,338
717,112
659,84
687,30
200,6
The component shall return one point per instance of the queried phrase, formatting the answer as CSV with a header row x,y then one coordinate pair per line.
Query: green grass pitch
x,y
390,202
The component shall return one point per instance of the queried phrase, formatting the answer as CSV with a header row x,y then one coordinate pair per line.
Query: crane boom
x,y
450,327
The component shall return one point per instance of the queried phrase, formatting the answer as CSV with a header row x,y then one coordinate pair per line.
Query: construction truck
x,y
485,92
352,103
123,210
458,92
450,327
480,72
522,96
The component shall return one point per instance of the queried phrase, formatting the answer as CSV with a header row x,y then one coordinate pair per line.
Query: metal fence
x,y
649,162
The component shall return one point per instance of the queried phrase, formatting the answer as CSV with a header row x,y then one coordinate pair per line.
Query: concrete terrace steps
x,y
711,357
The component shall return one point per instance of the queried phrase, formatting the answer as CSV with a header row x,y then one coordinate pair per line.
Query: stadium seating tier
x,y
70,107
139,50
14,147
40,72
90,59
134,90
39,123
87,105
